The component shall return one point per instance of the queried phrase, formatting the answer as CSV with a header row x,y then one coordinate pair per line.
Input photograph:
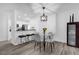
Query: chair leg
x,y
51,46
26,39
47,44
21,40
34,45
40,46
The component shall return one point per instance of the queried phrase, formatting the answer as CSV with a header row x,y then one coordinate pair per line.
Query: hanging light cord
x,y
43,10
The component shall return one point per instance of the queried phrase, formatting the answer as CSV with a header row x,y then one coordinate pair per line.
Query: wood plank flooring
x,y
7,48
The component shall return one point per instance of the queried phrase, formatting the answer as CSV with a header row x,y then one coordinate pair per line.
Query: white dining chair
x,y
37,41
49,40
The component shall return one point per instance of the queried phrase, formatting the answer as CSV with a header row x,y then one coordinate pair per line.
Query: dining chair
x,y
37,41
49,40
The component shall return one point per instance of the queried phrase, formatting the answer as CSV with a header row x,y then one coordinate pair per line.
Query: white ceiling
x,y
30,10
50,7
36,8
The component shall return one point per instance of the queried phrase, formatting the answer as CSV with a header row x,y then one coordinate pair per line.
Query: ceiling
x,y
50,7
30,10
34,9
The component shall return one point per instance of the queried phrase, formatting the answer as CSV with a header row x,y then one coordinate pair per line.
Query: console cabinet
x,y
73,34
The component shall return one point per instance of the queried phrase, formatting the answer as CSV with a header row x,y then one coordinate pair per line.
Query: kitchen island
x,y
24,36
21,37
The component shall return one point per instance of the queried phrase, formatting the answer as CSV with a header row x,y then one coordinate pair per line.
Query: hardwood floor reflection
x,y
7,48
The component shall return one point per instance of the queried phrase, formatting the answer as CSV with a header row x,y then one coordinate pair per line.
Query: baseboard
x,y
60,40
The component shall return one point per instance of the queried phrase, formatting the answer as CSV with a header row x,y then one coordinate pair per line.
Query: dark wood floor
x,y
7,48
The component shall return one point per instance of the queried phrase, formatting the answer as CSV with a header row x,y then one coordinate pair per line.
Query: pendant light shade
x,y
43,17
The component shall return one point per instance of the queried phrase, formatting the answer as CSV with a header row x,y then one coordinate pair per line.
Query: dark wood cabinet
x,y
73,34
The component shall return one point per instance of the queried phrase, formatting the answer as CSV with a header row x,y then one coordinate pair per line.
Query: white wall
x,y
5,11
3,26
63,17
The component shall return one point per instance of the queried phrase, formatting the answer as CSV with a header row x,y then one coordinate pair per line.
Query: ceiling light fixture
x,y
43,17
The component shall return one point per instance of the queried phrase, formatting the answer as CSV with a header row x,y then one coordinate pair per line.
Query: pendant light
x,y
43,17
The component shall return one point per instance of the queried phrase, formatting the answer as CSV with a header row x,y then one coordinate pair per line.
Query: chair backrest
x,y
50,35
36,37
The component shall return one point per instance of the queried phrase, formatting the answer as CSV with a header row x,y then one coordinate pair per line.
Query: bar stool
x,y
28,36
21,37
32,36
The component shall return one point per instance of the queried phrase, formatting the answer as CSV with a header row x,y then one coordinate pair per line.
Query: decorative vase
x,y
72,17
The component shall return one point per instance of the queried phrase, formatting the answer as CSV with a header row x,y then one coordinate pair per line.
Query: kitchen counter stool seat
x,y
21,38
